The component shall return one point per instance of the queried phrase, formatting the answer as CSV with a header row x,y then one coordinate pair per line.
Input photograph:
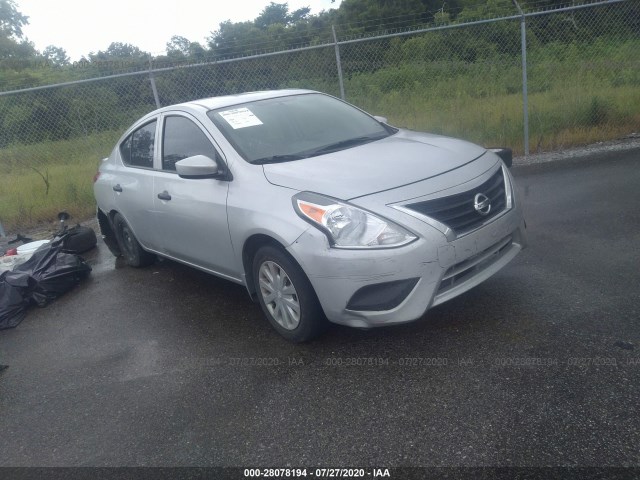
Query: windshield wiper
x,y
333,147
351,142
279,159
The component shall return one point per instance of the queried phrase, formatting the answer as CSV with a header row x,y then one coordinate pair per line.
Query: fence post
x,y
525,96
338,62
155,90
153,83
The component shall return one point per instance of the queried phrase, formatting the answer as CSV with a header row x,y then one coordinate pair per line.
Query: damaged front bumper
x,y
368,288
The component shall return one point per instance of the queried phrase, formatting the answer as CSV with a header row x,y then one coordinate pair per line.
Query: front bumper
x,y
443,269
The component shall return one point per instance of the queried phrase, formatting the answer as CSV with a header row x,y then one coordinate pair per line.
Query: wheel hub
x,y
279,295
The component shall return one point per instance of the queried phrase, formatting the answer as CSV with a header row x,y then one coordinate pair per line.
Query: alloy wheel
x,y
279,295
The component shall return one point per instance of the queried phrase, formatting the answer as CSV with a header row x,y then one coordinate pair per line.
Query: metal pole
x,y
153,83
525,96
338,62
155,90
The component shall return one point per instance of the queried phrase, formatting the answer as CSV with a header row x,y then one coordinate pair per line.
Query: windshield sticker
x,y
240,118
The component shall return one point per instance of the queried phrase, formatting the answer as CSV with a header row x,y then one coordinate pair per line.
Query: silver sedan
x,y
321,210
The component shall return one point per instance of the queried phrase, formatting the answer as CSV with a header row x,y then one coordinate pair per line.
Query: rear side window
x,y
182,138
137,149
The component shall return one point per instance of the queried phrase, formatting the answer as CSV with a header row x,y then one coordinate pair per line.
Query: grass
x,y
68,166
578,94
557,119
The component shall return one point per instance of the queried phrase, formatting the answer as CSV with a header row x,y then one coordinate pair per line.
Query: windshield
x,y
290,128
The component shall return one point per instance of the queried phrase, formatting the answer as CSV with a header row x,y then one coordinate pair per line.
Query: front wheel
x,y
132,252
286,296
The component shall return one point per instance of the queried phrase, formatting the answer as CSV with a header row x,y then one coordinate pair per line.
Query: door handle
x,y
164,196
117,188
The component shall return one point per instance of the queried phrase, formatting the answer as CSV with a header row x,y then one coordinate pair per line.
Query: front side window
x,y
137,149
182,138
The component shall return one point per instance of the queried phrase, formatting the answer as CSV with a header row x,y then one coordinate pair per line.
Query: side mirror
x,y
198,166
506,154
381,119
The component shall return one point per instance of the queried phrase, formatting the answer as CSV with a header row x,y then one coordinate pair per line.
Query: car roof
x,y
230,100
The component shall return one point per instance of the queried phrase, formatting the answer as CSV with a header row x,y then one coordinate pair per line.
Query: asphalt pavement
x,y
168,366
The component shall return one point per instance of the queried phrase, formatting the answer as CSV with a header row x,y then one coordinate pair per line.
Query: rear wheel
x,y
286,295
132,252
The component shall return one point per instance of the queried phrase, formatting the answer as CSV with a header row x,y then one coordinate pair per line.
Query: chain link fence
x,y
579,81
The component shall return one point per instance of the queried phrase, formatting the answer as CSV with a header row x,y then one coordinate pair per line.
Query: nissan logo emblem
x,y
482,204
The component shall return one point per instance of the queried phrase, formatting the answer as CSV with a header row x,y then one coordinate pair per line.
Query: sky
x,y
87,26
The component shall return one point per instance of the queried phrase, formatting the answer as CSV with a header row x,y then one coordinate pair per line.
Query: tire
x,y
107,234
132,252
286,296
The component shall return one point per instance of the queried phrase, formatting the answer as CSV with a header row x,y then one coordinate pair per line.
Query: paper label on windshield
x,y
240,118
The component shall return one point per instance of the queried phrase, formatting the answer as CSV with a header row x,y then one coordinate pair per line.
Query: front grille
x,y
458,211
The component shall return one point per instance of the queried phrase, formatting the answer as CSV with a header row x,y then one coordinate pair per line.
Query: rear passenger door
x,y
133,183
191,214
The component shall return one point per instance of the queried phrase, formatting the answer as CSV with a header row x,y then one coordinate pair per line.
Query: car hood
x,y
392,162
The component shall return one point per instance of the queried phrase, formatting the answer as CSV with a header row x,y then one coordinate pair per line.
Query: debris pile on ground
x,y
48,273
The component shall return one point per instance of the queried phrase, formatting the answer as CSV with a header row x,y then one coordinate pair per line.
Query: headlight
x,y
347,226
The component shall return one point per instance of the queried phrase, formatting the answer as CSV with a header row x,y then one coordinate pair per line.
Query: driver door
x,y
191,214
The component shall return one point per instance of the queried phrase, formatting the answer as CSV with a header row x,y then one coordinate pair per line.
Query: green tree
x,y
11,20
56,55
274,13
278,14
234,39
180,48
364,16
119,50
275,28
12,46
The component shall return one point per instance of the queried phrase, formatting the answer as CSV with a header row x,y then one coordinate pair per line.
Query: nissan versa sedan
x,y
322,211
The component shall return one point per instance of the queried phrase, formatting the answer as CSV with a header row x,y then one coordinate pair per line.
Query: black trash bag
x,y
53,272
14,297
79,239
